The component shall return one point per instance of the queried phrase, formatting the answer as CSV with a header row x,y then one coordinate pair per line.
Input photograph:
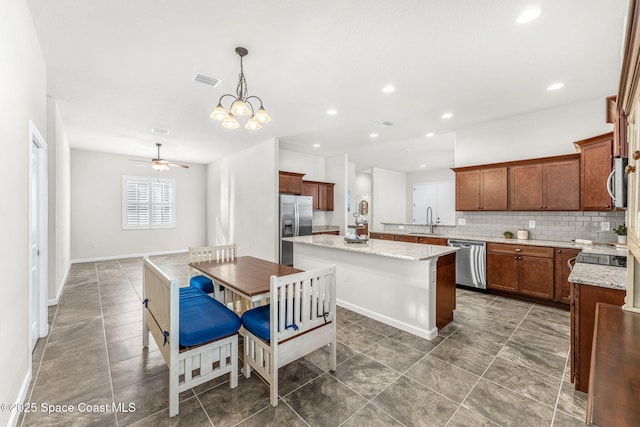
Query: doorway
x,y
38,283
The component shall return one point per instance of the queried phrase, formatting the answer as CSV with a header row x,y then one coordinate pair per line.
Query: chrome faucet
x,y
430,219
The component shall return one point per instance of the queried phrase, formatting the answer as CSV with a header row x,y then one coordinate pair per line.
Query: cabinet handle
x,y
515,257
518,250
636,155
559,251
630,169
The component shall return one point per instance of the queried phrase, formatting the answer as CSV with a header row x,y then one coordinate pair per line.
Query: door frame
x,y
37,143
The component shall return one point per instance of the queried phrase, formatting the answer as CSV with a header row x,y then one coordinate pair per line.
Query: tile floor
x,y
501,363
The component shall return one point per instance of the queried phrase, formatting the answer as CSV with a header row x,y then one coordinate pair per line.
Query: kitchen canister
x,y
522,234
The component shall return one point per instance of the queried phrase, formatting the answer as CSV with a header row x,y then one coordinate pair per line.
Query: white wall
x,y
389,200
312,166
96,208
436,175
242,201
540,134
59,165
23,87
337,171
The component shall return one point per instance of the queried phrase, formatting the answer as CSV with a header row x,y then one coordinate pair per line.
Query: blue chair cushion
x,y
203,319
257,321
202,282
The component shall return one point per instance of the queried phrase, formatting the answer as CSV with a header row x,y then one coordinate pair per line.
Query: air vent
x,y
211,81
160,131
385,124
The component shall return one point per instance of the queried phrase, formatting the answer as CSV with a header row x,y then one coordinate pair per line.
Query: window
x,y
148,202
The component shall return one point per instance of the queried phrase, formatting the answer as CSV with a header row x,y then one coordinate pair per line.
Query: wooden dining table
x,y
245,276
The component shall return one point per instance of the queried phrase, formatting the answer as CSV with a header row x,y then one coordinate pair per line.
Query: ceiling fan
x,y
158,164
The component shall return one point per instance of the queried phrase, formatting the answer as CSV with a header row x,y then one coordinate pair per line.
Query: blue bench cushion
x,y
257,321
202,282
203,319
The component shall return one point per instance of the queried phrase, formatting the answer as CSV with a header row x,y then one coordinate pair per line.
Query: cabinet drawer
x,y
404,238
505,248
381,236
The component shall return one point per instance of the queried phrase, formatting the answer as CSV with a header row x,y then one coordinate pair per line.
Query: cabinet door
x,y
561,285
311,189
561,181
595,167
536,277
493,189
502,272
468,190
325,195
526,187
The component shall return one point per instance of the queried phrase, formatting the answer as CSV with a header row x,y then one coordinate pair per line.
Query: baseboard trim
x,y
22,394
56,300
140,255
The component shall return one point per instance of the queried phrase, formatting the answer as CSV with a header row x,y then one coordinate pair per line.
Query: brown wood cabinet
x,y
445,289
522,269
561,285
406,238
381,236
481,189
595,166
322,193
545,185
440,241
335,233
583,310
290,182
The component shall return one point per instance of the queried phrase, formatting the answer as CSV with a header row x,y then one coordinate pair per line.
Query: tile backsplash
x,y
555,226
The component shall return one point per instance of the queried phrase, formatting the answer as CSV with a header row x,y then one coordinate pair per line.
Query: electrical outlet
x,y
401,227
605,226
532,223
462,221
347,276
93,245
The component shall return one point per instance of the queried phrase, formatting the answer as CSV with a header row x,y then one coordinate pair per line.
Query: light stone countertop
x,y
599,275
401,250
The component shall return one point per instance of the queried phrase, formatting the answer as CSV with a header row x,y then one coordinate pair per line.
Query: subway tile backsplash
x,y
558,226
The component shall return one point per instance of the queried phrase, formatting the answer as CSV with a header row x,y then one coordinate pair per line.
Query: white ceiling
x,y
119,68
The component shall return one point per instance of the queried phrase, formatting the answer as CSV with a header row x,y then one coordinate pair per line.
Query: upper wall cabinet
x,y
290,182
596,156
545,185
322,193
481,188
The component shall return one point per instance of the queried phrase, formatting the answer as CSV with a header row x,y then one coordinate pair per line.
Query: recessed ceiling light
x,y
332,112
556,86
160,131
373,135
447,115
423,166
316,145
430,134
528,16
388,89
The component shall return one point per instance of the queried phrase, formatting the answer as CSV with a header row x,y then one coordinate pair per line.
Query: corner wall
x,y
24,97
242,201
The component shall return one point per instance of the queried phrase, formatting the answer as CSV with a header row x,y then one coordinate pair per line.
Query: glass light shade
x,y
253,124
240,108
230,122
262,116
219,113
160,167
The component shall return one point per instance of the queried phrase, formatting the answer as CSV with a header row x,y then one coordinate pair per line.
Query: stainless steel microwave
x,y
617,182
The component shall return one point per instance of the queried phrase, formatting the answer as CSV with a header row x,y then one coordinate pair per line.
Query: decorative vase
x,y
622,240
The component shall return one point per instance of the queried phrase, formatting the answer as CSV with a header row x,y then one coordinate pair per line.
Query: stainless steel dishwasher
x,y
471,263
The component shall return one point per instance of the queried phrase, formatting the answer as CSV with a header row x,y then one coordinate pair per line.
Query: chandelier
x,y
241,105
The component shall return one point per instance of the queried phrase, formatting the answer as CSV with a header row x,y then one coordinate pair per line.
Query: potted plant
x,y
621,231
507,234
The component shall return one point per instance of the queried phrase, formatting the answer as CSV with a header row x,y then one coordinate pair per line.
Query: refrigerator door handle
x,y
296,220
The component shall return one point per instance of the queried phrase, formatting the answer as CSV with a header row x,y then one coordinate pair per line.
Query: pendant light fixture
x,y
241,105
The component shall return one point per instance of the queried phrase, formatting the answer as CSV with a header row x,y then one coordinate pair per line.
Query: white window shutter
x,y
148,203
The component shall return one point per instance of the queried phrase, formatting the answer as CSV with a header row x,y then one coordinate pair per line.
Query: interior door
x,y
34,238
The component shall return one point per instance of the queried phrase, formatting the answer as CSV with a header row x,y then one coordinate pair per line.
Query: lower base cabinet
x,y
583,314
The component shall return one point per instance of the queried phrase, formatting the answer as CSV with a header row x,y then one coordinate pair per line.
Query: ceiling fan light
x,y
160,167
230,122
240,108
253,124
219,113
262,115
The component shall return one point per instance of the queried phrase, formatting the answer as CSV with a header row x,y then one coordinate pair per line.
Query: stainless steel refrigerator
x,y
296,217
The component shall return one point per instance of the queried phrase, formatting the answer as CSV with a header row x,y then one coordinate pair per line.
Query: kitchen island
x,y
406,285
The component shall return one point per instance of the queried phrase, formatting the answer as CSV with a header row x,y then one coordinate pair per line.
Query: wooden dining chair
x,y
209,254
